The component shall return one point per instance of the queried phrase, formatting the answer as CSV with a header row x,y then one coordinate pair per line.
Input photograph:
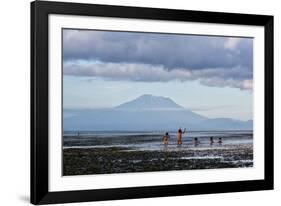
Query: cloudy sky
x,y
210,75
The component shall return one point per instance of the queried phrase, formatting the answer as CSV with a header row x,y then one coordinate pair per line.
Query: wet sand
x,y
106,160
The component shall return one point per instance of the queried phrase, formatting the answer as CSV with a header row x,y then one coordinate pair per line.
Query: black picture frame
x,y
39,102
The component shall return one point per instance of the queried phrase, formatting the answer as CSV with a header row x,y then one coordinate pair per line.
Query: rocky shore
x,y
84,161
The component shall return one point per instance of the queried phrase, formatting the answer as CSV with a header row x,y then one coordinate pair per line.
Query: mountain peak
x,y
148,101
147,96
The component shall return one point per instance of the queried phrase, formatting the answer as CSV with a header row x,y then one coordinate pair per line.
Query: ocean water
x,y
153,140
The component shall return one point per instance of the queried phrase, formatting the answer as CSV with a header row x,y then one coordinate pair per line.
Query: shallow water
x,y
153,140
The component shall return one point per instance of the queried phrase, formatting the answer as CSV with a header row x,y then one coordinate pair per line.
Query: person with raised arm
x,y
180,132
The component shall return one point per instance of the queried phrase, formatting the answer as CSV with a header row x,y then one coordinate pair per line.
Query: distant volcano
x,y
148,101
146,112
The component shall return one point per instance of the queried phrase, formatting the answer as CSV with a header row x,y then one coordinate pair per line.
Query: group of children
x,y
166,138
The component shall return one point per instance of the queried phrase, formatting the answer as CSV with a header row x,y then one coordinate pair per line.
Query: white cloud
x,y
232,43
248,84
215,82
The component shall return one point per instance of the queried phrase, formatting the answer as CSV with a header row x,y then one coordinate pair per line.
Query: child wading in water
x,y
166,138
180,136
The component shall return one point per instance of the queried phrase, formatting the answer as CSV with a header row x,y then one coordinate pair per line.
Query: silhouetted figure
x,y
211,140
196,141
220,140
166,138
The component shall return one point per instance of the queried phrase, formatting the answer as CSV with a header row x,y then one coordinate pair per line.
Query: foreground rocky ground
x,y
120,160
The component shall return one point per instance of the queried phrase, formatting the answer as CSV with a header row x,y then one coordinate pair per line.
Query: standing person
x,y
180,132
196,141
211,140
166,138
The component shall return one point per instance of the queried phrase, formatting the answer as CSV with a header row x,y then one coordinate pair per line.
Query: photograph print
x,y
151,102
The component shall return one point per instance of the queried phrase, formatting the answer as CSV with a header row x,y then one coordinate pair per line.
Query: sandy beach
x,y
106,160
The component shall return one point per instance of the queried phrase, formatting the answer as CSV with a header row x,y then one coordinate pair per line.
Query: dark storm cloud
x,y
133,56
172,51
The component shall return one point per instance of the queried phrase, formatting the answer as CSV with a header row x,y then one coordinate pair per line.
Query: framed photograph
x,y
131,102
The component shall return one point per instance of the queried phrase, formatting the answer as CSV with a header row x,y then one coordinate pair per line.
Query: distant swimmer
x,y
180,132
220,140
196,141
166,138
211,140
